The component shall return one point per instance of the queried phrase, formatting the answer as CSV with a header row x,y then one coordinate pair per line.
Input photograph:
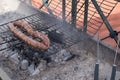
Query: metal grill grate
x,y
42,23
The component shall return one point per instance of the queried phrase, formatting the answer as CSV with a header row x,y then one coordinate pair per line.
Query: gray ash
x,y
31,54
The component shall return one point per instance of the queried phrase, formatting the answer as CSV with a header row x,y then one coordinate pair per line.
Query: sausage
x,y
44,45
25,26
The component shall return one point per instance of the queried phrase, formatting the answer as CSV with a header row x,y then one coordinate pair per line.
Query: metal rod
x,y
63,10
102,15
98,48
96,72
113,74
116,52
86,15
113,33
41,6
108,36
74,8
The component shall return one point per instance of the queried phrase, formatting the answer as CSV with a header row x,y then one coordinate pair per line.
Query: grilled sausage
x,y
44,45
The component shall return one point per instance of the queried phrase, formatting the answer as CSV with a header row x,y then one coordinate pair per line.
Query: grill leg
x,y
96,72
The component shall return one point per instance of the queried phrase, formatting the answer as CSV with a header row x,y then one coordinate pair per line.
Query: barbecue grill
x,y
42,22
60,27
91,28
61,35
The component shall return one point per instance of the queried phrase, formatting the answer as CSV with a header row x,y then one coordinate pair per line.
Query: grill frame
x,y
43,22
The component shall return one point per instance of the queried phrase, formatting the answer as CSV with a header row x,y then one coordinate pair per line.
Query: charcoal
x,y
55,36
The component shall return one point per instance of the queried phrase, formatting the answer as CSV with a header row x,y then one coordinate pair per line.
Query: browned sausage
x,y
44,45
25,26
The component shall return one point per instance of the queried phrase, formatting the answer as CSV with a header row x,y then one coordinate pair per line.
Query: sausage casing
x,y
43,45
